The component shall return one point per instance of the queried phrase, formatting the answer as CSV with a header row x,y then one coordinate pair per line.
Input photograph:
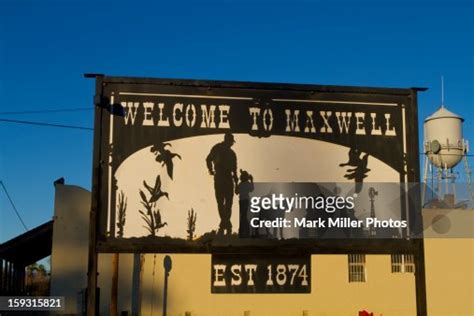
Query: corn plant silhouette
x,y
152,216
192,216
122,209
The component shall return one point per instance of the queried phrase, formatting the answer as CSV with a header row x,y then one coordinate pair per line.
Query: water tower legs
x,y
467,170
425,180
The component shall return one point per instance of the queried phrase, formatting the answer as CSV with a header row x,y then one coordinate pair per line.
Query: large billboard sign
x,y
176,161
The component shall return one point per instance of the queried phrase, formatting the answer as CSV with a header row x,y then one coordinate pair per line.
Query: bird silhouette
x,y
155,191
158,223
360,171
164,156
354,154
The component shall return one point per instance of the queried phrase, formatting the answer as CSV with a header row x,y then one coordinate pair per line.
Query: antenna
x,y
442,91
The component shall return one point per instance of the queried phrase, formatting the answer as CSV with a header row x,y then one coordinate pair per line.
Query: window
x,y
403,264
356,268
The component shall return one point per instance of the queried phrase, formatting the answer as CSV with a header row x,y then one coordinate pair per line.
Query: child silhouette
x,y
243,189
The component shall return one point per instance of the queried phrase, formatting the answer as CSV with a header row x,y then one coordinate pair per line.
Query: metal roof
x,y
29,247
442,112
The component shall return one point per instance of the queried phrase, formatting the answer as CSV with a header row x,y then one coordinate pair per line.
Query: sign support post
x,y
92,264
115,275
420,280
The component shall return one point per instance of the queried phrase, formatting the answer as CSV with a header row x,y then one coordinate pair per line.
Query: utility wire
x,y
91,129
47,111
46,124
13,205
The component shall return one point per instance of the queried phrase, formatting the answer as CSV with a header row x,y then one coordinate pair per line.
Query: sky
x,y
47,46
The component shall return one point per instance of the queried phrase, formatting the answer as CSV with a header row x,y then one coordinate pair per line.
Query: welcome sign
x,y
175,160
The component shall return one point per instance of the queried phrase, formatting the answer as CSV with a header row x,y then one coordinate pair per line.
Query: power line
x,y
47,111
13,205
46,124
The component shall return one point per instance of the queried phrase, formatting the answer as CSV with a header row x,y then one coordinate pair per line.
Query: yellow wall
x,y
449,261
450,276
190,285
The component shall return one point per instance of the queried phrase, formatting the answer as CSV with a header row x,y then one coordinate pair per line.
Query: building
x,y
341,284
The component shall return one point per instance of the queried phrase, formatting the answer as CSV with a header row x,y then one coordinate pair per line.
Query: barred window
x,y
403,264
357,268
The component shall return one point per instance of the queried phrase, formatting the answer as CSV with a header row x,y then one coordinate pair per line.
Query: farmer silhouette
x,y
222,164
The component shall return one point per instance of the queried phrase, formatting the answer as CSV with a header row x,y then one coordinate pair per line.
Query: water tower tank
x,y
444,143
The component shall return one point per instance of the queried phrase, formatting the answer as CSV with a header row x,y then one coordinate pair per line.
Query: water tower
x,y
444,148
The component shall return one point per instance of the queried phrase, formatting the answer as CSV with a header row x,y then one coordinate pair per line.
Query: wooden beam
x,y
420,280
93,257
329,246
114,291
1,276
